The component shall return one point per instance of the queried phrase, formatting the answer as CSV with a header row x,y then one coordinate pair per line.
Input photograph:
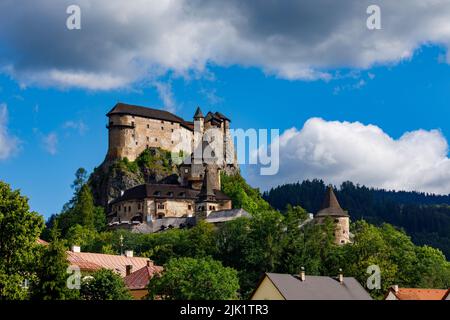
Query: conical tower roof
x,y
331,206
198,113
207,191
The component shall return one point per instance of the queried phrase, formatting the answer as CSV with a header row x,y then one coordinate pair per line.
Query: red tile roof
x,y
140,278
419,294
43,242
87,261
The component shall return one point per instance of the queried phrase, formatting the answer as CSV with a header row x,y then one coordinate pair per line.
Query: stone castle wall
x,y
130,135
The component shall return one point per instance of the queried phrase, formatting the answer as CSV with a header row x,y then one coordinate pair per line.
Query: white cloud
x,y
339,151
50,143
122,42
79,126
166,95
9,144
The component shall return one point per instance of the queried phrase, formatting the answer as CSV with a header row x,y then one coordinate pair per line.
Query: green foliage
x,y
80,210
425,217
400,261
195,279
104,285
127,165
243,195
51,273
19,230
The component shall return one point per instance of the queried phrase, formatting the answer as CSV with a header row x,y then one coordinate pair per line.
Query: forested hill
x,y
425,217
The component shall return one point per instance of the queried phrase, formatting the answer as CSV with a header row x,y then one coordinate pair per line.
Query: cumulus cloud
x,y
338,151
8,143
126,41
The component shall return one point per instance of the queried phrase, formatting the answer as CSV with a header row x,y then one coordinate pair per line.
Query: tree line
x,y
425,217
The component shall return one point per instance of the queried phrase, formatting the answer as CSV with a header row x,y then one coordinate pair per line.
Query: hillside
x,y
425,217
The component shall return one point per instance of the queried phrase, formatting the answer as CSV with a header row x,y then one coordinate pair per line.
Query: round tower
x,y
331,209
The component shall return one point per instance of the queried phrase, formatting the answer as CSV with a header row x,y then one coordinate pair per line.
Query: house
x,y
90,262
396,293
137,281
136,271
276,286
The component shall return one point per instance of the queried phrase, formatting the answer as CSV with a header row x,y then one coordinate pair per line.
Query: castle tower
x,y
332,209
206,202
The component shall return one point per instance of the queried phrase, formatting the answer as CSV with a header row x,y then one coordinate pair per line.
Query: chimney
x,y
302,274
129,269
341,276
76,249
395,288
129,253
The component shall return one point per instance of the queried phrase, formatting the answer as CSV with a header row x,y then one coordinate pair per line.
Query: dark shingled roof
x,y
164,191
317,288
198,113
139,111
207,191
330,205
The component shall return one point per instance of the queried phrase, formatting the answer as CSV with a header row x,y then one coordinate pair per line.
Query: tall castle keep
x,y
133,129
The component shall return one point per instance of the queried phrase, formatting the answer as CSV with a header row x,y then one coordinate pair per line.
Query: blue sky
x,y
350,104
411,95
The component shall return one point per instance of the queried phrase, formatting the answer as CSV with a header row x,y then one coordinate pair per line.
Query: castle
x,y
204,148
331,209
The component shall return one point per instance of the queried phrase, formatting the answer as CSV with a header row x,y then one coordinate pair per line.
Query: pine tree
x,y
51,273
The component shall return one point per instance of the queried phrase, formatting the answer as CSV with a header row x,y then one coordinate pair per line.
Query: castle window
x,y
132,123
136,143
156,193
162,121
124,209
147,146
139,206
186,170
148,138
148,126
162,128
182,194
170,194
172,130
156,139
171,123
129,208
172,142
189,207
160,206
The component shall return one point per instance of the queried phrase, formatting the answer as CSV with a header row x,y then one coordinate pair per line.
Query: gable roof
x,y
317,288
227,215
330,205
42,242
140,278
88,261
145,112
420,294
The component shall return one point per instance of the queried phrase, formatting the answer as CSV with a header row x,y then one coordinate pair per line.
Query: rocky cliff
x,y
111,178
